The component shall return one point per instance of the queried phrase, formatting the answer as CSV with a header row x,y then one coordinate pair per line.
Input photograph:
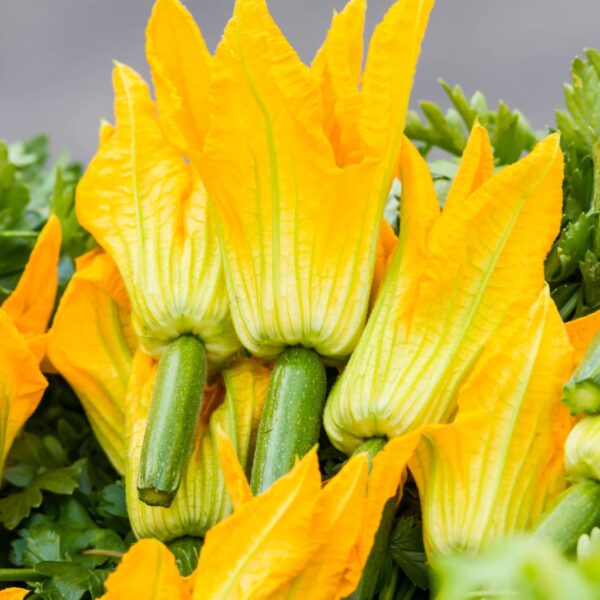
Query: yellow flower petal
x,y
484,477
339,63
482,266
181,64
476,167
274,539
147,572
91,345
339,516
148,210
31,303
298,230
237,484
387,80
385,247
419,210
202,498
387,475
21,384
582,331
13,594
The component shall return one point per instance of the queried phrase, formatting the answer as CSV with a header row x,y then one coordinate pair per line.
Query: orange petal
x,y
386,244
389,468
13,594
388,76
91,345
148,209
274,539
31,303
339,516
147,572
484,477
235,478
297,232
419,210
338,63
180,64
21,384
481,267
582,331
476,167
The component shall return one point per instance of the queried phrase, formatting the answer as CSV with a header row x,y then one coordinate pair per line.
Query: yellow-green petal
x,y
148,209
479,267
497,466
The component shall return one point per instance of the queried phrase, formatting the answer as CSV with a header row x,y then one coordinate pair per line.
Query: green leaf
x,y
517,568
69,581
406,548
590,273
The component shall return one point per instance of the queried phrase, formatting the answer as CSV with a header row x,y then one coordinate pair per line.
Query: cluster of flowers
x,y
244,207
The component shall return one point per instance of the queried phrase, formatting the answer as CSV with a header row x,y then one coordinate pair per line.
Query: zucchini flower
x,y
114,381
456,277
496,468
297,540
24,317
298,163
147,207
301,200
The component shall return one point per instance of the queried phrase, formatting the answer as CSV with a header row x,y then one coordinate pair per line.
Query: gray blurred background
x,y
55,55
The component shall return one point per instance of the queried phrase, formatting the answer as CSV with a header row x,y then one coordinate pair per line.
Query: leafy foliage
x,y
521,568
509,130
573,265
64,502
29,192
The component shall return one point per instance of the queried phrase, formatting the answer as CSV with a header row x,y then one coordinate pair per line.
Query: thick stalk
x,y
576,512
172,420
596,188
292,415
14,575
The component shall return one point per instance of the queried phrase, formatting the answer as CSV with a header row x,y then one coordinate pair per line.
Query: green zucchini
x,y
582,393
172,420
292,416
577,511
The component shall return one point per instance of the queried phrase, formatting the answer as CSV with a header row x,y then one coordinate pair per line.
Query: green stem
x,y
596,188
291,420
577,511
21,575
371,447
172,420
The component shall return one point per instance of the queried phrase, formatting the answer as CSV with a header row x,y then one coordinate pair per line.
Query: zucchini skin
x,y
577,511
172,420
292,416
